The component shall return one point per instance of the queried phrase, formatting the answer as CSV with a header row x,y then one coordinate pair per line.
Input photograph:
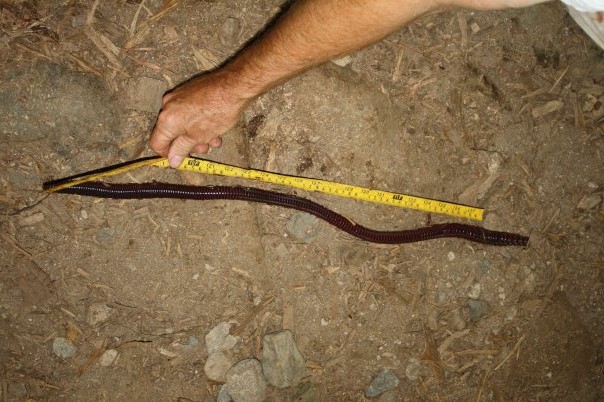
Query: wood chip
x,y
31,220
104,44
206,59
546,109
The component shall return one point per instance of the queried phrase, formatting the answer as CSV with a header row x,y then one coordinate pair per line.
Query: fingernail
x,y
175,161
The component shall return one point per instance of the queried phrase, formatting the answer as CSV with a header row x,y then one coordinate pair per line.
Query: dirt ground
x,y
503,110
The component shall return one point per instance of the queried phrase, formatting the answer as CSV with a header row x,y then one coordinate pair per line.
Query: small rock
x,y
477,309
219,338
217,365
342,61
474,292
384,381
63,348
590,202
304,226
98,313
413,369
229,31
282,362
245,381
451,256
223,394
108,357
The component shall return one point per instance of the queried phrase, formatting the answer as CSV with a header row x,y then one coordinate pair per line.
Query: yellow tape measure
x,y
323,186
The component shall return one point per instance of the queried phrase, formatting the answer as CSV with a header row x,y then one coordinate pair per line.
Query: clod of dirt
x,y
49,101
384,381
245,381
63,348
282,362
145,94
557,354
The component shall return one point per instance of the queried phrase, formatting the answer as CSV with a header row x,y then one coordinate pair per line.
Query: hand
x,y
194,116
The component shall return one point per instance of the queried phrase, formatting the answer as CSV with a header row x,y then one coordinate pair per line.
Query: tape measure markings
x,y
333,188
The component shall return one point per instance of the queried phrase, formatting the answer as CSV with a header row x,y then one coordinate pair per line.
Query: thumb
x,y
180,149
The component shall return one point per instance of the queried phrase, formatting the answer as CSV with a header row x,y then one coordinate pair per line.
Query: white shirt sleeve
x,y
586,5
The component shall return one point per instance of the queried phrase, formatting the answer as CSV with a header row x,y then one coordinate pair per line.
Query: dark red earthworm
x,y
164,190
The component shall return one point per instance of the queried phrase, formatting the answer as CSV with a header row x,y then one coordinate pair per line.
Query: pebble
x,y
342,61
218,364
245,381
477,309
384,381
98,313
63,348
108,357
223,394
219,338
451,256
474,292
413,369
304,226
282,362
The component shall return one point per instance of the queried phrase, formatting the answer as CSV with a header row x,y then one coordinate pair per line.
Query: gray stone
x,y
477,309
217,365
63,348
304,226
245,381
219,338
384,381
282,362
223,394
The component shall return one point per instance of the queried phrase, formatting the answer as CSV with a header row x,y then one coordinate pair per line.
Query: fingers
x,y
180,149
216,142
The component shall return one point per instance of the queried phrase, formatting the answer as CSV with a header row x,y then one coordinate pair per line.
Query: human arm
x,y
196,114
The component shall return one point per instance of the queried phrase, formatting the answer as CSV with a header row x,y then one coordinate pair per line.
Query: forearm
x,y
315,31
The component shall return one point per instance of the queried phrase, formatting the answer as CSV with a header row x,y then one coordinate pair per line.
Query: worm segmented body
x,y
164,190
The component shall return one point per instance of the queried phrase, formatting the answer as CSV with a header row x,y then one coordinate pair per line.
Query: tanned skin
x,y
197,113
